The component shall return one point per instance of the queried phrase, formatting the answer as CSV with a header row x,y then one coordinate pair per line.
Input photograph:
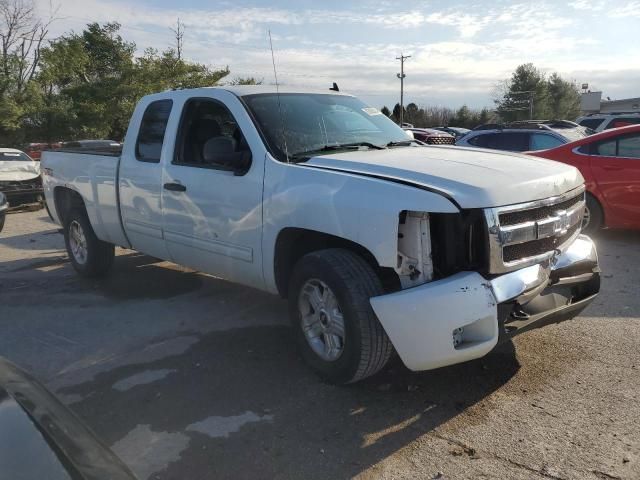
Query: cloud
x,y
458,52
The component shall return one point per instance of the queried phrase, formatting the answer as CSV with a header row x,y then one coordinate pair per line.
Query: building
x,y
591,102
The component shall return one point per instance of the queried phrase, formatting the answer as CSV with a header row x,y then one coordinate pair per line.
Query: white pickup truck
x,y
378,242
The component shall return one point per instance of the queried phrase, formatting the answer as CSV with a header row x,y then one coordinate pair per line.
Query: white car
x,y
379,242
20,179
604,121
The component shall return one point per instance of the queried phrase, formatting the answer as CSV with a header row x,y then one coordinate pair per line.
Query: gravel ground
x,y
190,377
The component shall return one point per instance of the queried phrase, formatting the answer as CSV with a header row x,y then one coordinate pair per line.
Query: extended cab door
x,y
140,176
212,189
615,165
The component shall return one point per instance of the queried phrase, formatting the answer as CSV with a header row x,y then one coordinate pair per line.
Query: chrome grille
x,y
524,234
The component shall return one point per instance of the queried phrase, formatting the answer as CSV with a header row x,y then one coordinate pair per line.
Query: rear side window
x,y
629,147
510,141
623,122
152,129
607,148
544,141
592,123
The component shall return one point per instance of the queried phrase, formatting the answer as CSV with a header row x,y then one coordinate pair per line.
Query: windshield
x,y
311,123
14,157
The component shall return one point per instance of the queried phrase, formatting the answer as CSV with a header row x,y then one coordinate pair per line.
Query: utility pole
x,y
401,76
179,36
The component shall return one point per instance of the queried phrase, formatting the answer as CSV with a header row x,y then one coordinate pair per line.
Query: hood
x,y
473,178
18,171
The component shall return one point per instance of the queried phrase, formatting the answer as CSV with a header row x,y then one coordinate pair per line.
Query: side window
x,y
623,122
544,141
510,141
586,148
629,147
481,140
152,128
209,137
606,148
592,123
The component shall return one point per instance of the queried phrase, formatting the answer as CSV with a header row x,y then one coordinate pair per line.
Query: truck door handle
x,y
175,187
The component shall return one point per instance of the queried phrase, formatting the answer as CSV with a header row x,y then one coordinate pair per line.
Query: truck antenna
x,y
275,74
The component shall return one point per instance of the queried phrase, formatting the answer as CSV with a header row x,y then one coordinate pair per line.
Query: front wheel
x,y
90,256
335,327
593,216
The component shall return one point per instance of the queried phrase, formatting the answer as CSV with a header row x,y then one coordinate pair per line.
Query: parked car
x,y
34,150
40,438
610,163
4,205
457,132
20,179
523,136
431,136
380,243
604,121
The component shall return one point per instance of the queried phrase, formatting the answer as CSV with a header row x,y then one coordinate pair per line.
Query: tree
x,y
246,81
90,82
396,113
524,94
552,97
385,111
564,98
412,114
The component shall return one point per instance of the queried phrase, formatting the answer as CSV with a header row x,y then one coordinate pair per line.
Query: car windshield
x,y
14,157
310,124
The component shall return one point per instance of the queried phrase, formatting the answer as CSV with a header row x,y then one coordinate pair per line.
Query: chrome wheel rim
x,y
321,320
586,218
78,242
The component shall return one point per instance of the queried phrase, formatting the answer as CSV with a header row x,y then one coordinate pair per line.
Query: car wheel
x,y
593,216
335,327
90,256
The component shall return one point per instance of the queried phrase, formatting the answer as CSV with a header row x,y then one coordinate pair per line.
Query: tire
x,y
95,257
594,216
2,217
364,347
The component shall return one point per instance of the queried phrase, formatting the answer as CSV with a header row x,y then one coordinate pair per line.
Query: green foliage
x,y
424,117
530,94
88,84
246,81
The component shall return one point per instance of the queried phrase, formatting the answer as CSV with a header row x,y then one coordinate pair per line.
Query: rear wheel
x,y
335,327
593,216
90,256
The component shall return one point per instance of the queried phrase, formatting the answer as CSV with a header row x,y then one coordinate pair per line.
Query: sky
x,y
460,50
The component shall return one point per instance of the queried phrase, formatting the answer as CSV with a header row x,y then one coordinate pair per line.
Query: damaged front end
x,y
494,273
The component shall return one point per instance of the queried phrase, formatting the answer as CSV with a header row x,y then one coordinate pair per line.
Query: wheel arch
x,y
66,199
293,243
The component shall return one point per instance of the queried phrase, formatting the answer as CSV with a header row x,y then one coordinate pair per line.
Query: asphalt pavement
x,y
189,377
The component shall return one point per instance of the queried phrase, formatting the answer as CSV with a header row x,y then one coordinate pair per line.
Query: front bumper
x,y
23,191
464,316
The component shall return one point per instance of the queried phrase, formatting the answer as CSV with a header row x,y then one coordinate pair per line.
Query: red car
x,y
610,164
431,136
